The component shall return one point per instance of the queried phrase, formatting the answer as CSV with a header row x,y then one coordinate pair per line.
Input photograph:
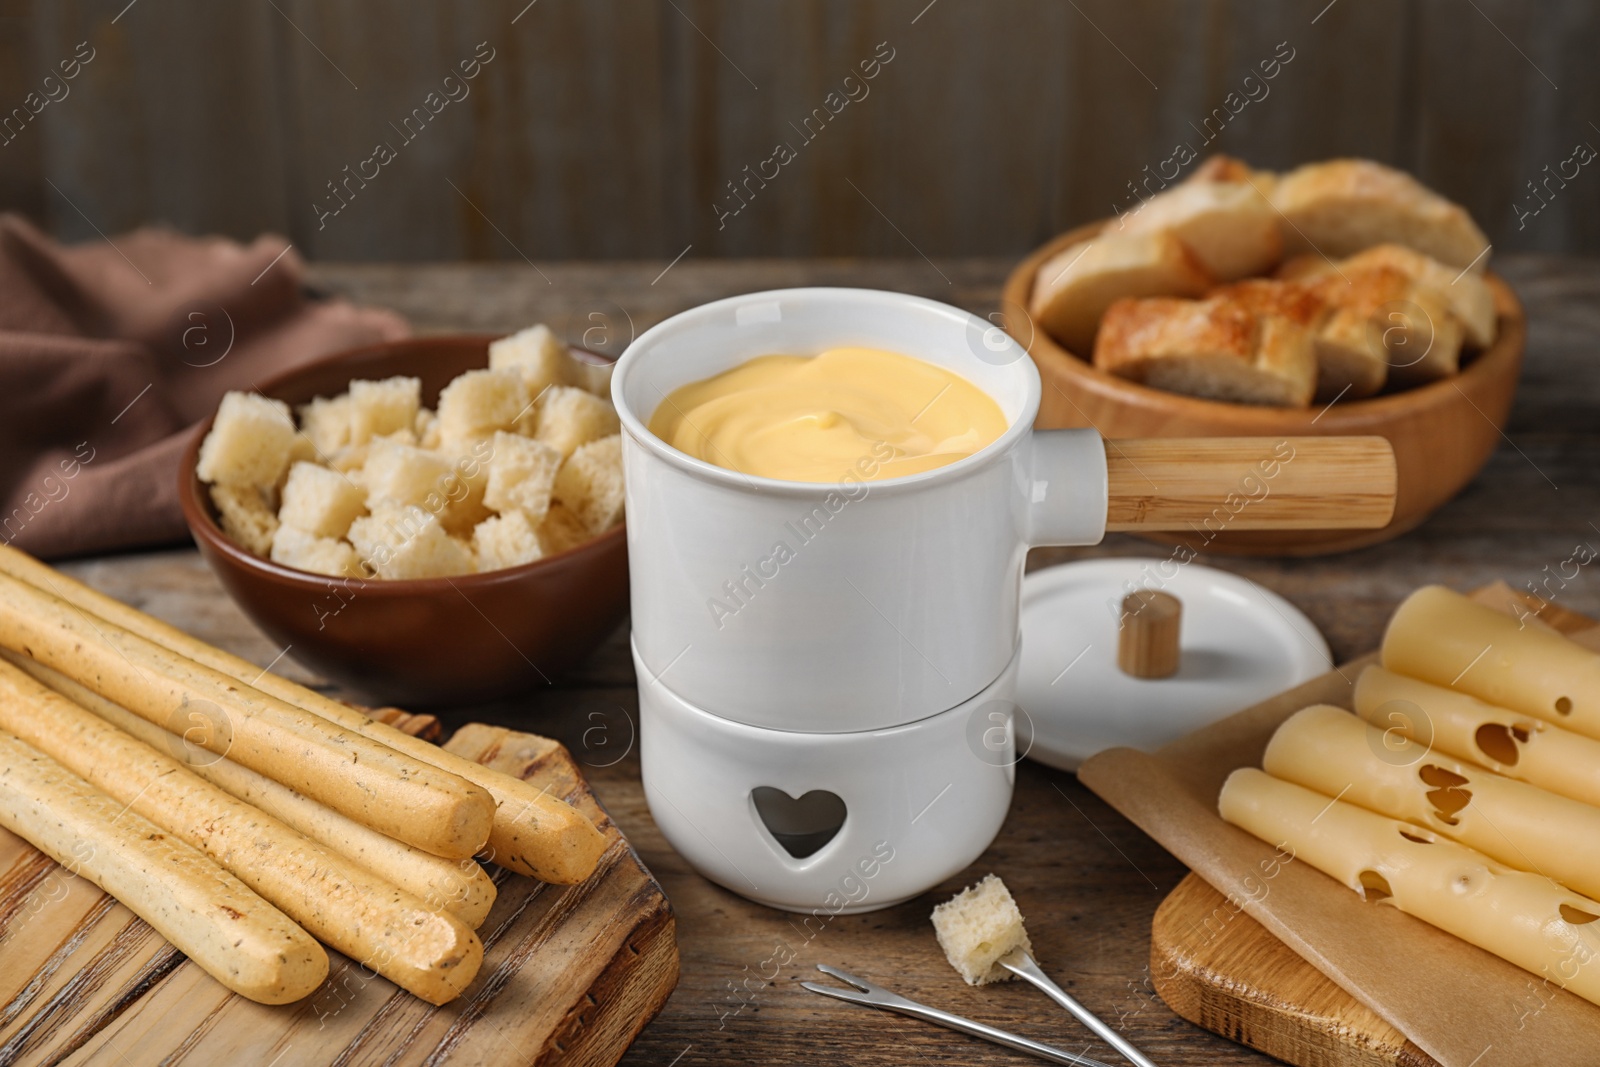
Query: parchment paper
x,y
1463,1006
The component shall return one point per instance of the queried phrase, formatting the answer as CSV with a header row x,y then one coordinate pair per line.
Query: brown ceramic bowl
x,y
425,642
1442,432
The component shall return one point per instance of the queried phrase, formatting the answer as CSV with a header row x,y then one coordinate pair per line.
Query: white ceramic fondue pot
x,y
826,669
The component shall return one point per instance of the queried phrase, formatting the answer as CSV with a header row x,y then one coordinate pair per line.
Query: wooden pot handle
x,y
1210,484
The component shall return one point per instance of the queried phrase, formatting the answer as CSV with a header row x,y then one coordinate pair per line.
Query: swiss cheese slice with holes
x,y
1515,745
1333,752
1523,918
1442,637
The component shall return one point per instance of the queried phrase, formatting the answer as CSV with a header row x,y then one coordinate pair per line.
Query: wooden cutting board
x,y
1222,970
570,973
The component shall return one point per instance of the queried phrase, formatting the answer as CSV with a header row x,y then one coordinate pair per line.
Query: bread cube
x,y
508,540
297,548
350,459
569,417
301,450
527,423
404,473
480,402
246,517
249,442
407,436
400,541
427,429
977,927
462,491
326,420
538,355
320,501
590,483
383,407
593,377
561,530
522,474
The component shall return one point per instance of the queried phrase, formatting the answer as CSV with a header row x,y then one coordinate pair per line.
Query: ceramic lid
x,y
1240,644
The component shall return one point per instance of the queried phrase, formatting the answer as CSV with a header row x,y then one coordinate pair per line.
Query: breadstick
x,y
427,952
459,886
209,915
369,782
534,833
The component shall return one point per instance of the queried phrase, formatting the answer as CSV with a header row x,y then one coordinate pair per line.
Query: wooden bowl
x,y
1442,432
424,642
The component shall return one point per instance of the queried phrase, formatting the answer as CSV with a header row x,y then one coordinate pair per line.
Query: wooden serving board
x,y
570,973
1220,969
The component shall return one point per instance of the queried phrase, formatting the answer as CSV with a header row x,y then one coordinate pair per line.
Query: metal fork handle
x,y
1023,966
878,997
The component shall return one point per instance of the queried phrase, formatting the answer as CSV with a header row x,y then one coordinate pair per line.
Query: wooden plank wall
x,y
611,128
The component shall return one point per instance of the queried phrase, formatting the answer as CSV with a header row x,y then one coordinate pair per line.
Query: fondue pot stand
x,y
827,670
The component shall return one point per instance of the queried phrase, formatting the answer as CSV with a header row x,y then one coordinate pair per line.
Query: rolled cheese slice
x,y
1442,637
1522,918
1515,745
1331,751
235,936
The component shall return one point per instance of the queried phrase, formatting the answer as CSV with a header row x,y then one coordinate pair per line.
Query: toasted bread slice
x,y
1226,168
1466,294
1217,349
1299,303
1351,363
1351,359
1303,267
1223,218
1380,314
1073,289
1345,206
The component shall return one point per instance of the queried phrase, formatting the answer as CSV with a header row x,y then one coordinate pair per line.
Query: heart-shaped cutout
x,y
801,826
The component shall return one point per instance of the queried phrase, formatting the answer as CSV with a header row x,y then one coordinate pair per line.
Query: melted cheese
x,y
848,412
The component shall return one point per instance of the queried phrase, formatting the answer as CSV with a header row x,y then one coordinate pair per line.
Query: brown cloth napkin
x,y
111,351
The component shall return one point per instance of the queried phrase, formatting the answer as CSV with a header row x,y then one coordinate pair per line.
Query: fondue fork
x,y
875,996
1019,963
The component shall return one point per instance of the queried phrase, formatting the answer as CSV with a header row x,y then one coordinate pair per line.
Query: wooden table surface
x,y
1087,881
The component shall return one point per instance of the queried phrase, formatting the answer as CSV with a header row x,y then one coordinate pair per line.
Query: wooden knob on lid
x,y
1147,646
